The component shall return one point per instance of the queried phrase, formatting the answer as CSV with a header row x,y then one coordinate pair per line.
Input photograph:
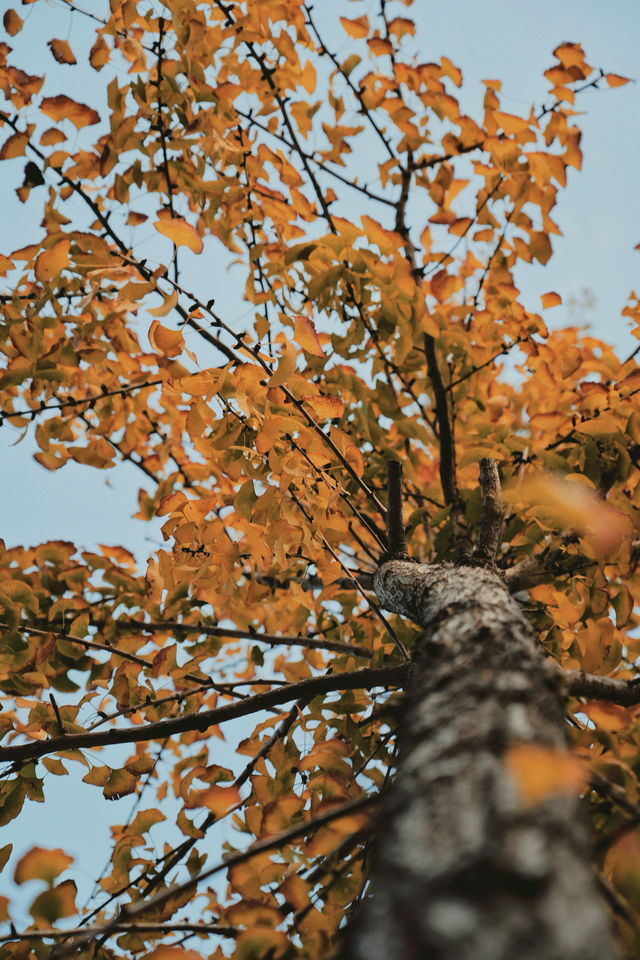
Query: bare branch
x,y
356,680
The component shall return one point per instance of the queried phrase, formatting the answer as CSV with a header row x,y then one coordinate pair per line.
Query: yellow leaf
x,y
325,408
540,772
386,240
451,71
623,865
550,299
41,864
58,901
170,503
61,51
198,384
354,458
308,79
260,941
510,123
278,815
357,28
64,108
286,366
119,783
181,233
167,306
295,891
165,341
50,262
305,335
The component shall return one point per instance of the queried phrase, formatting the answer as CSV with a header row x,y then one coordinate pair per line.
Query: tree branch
x,y
625,693
139,927
137,626
396,540
490,527
356,680
447,443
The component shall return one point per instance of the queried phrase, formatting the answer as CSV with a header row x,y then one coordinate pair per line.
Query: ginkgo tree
x,y
411,569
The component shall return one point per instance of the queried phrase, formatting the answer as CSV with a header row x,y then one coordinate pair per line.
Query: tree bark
x,y
463,868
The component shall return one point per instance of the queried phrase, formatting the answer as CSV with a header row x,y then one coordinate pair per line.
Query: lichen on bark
x,y
462,867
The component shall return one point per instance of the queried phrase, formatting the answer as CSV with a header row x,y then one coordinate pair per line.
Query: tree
x,y
443,728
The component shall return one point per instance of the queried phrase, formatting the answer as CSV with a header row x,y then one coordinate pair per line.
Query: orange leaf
x,y
380,46
181,233
50,262
219,800
540,772
165,952
571,503
41,864
61,51
608,716
165,341
14,146
400,26
99,54
51,137
305,335
356,28
550,299
12,22
64,108
451,71
135,219
615,80
570,54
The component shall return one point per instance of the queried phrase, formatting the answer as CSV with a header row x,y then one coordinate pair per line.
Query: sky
x,y
599,215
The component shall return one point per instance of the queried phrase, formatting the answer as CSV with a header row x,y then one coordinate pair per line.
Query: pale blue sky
x,y
599,214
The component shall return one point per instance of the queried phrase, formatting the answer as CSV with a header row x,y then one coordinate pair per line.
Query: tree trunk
x,y
464,868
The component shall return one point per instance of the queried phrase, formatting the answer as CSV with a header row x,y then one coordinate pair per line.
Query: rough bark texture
x,y
462,869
